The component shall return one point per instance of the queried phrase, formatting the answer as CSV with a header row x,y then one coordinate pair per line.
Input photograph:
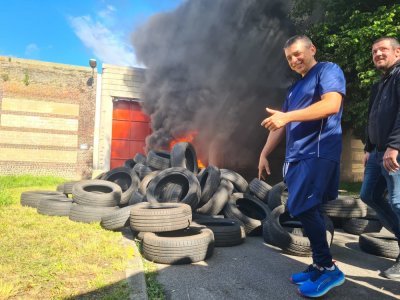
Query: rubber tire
x,y
54,207
184,155
179,247
136,198
237,203
227,232
127,179
209,179
288,242
277,195
32,198
97,193
68,187
379,244
158,160
89,214
345,207
358,226
185,178
117,219
146,180
237,180
160,217
129,163
218,201
260,189
139,158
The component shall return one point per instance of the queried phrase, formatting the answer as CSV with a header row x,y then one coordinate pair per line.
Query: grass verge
x,y
45,257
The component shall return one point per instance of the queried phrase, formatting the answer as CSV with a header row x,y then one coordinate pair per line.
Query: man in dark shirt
x,y
381,160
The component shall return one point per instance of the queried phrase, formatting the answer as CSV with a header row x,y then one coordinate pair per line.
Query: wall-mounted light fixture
x,y
93,65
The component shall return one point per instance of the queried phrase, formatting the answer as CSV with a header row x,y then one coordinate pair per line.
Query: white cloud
x,y
32,50
107,13
109,46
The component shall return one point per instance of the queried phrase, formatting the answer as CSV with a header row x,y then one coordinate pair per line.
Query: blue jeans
x,y
376,180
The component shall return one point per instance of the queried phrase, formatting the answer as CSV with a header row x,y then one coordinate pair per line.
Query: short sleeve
x,y
331,79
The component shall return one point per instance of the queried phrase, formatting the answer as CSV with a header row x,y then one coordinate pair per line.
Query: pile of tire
x,y
352,215
282,230
179,213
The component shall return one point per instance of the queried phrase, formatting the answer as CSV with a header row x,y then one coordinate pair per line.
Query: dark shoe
x,y
393,272
322,283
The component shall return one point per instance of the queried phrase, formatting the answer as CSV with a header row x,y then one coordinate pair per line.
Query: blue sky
x,y
73,31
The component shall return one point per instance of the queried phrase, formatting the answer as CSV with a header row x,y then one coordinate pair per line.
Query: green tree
x,y
343,31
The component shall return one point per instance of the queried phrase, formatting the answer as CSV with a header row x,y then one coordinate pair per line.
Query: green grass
x,y
7,182
155,290
43,257
351,188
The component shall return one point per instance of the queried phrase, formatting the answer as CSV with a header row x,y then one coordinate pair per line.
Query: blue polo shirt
x,y
320,138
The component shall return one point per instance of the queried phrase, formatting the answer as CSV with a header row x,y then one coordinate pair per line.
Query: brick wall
x,y
46,117
351,167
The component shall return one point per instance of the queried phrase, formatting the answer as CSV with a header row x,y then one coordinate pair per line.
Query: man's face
x,y
385,55
300,57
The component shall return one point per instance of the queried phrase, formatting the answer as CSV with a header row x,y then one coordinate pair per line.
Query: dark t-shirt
x,y
320,138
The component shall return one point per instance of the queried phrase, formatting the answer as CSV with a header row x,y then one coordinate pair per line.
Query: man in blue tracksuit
x,y
310,118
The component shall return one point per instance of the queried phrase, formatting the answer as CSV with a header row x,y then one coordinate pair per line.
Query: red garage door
x,y
130,126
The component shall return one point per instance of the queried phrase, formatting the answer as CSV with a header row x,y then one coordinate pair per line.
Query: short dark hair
x,y
393,41
297,38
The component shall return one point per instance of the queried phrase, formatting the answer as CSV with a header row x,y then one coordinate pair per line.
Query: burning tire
x,y
186,246
183,155
180,176
160,217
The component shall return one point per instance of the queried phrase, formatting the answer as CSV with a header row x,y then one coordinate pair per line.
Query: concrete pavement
x,y
255,270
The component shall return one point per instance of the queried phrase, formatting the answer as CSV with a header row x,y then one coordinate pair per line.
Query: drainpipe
x,y
96,135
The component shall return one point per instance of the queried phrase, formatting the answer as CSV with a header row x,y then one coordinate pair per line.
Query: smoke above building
x,y
212,68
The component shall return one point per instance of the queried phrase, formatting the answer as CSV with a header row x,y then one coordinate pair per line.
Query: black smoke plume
x,y
212,67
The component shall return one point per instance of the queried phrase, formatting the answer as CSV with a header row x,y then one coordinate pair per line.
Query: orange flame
x,y
189,137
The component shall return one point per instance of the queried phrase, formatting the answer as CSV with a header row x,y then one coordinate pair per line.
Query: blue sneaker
x,y
322,282
299,278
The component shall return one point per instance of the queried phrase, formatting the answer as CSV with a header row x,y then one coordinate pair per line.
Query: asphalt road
x,y
255,270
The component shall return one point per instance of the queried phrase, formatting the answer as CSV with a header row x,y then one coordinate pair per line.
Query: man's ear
x,y
313,49
397,52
